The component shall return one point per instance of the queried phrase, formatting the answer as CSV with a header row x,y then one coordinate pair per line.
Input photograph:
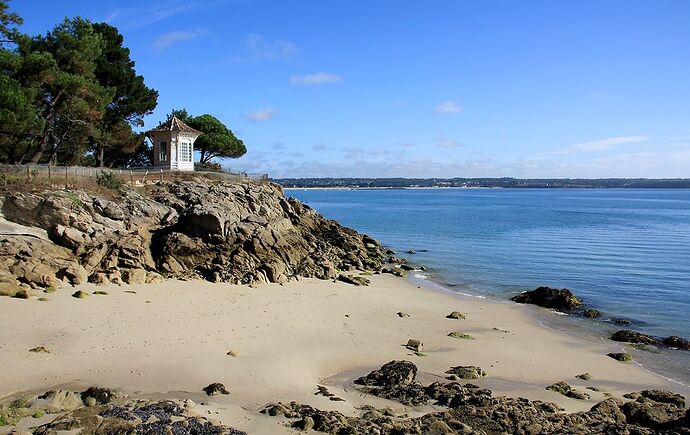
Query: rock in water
x,y
633,337
215,388
559,299
677,342
591,313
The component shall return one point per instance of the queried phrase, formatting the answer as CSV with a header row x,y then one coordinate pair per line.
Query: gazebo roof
x,y
174,124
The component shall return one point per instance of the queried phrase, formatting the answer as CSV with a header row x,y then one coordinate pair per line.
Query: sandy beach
x,y
169,340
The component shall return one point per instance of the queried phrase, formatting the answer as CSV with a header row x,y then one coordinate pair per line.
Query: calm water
x,y
625,252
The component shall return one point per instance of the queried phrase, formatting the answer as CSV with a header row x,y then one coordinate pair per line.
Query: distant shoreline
x,y
485,183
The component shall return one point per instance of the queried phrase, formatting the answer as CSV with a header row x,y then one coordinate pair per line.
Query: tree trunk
x,y
100,154
47,129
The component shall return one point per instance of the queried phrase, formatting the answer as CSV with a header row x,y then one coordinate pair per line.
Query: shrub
x,y
208,167
109,180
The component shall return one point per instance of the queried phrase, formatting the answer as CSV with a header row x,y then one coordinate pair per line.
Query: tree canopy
x,y
69,95
217,140
73,96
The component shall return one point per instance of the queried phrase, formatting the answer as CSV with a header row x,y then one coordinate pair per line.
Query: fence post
x,y
131,177
49,174
66,177
161,175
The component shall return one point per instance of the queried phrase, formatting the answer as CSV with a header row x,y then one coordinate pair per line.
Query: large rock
x,y
245,233
559,299
395,380
655,409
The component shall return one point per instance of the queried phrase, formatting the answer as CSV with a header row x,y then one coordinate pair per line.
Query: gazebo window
x,y
163,152
185,152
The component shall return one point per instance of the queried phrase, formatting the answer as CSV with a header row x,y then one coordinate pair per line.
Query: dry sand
x,y
171,340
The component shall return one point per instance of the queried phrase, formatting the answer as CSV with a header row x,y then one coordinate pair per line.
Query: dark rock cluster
x,y
246,233
135,417
473,410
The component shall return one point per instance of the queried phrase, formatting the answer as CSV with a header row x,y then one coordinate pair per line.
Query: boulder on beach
x,y
620,356
414,345
394,380
655,409
565,389
559,299
354,280
466,372
215,389
455,315
628,336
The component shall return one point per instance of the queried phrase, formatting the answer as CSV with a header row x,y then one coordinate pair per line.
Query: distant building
x,y
173,145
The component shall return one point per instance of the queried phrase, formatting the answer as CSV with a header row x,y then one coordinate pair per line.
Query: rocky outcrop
x,y
472,410
246,233
559,299
136,417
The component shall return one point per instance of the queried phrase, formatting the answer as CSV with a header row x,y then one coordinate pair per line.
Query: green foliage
x,y
217,140
109,180
8,21
71,95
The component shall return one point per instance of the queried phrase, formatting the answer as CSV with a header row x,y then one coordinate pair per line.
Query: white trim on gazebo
x,y
173,145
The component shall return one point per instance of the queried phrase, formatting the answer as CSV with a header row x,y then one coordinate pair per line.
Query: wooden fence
x,y
73,175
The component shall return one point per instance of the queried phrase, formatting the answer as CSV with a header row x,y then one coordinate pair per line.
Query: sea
x,y
625,252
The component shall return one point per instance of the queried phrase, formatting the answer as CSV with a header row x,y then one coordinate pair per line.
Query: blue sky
x,y
419,88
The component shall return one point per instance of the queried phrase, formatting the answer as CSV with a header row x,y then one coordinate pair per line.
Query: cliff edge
x,y
244,233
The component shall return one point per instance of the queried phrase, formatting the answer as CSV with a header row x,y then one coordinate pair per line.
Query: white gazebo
x,y
173,145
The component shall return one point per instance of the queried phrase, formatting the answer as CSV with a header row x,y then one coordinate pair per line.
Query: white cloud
x,y
319,78
169,39
264,49
112,16
319,147
604,144
448,107
263,114
448,144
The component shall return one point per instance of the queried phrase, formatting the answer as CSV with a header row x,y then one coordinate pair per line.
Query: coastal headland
x,y
229,308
